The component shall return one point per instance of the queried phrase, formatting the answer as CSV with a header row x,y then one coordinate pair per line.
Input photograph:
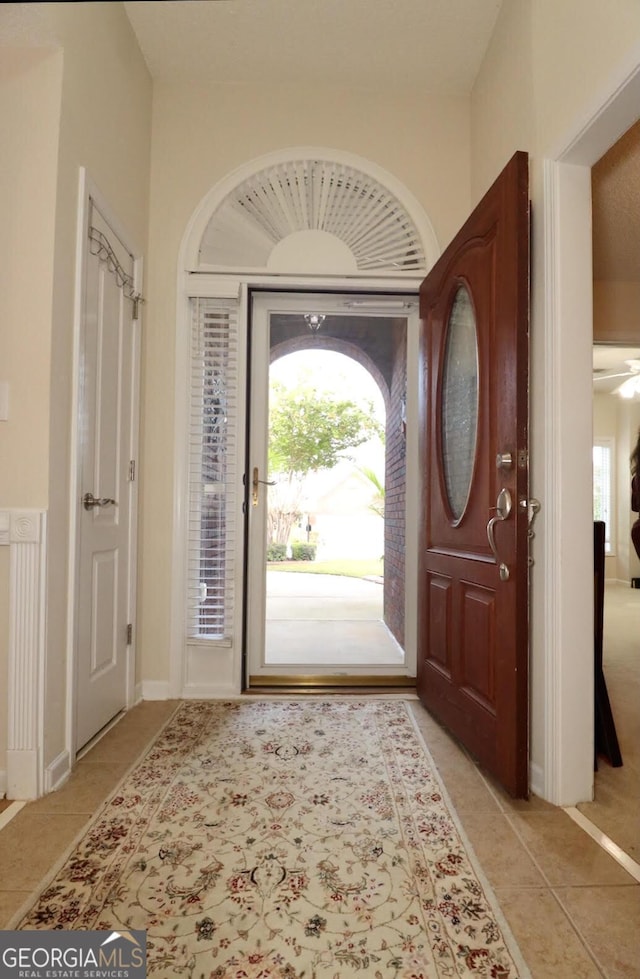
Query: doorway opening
x,y
327,521
616,420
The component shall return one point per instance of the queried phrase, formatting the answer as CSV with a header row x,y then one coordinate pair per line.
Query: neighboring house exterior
x,y
343,522
560,80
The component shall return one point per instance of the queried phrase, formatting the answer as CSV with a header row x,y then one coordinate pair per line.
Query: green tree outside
x,y
309,430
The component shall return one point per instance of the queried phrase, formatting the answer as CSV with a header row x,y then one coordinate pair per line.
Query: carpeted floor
x,y
616,807
286,839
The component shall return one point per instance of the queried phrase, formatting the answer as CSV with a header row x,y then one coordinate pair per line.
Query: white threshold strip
x,y
604,841
7,814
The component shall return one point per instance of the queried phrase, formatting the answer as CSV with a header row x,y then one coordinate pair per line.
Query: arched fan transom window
x,y
312,215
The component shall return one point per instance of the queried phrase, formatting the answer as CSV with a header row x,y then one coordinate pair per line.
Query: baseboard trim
x,y
536,780
3,784
153,690
57,773
206,691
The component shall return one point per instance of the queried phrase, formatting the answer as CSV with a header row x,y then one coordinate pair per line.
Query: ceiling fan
x,y
628,388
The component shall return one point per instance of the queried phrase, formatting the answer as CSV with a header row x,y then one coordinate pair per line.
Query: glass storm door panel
x,y
473,565
301,626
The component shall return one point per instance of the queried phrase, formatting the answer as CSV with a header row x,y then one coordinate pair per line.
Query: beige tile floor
x,y
573,910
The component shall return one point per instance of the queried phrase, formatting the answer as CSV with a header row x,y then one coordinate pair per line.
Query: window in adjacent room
x,y
603,497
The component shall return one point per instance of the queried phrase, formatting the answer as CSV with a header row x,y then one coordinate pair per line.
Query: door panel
x,y
108,343
473,628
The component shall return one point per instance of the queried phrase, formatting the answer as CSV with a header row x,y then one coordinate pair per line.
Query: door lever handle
x,y
89,501
503,509
256,483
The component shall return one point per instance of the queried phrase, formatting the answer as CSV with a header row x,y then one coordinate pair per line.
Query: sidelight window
x,y
213,471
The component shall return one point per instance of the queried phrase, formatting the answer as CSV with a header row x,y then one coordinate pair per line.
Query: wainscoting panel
x,y
24,532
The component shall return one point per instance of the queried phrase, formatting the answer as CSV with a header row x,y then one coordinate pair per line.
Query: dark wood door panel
x,y
477,662
439,622
473,629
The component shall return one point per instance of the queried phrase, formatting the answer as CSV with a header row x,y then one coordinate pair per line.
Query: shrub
x,y
277,552
301,551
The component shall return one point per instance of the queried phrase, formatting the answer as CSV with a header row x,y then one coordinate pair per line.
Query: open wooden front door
x,y
473,628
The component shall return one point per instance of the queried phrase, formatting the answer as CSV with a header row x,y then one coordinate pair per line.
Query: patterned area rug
x,y
295,840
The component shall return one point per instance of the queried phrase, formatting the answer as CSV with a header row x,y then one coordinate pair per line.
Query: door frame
x,y
187,666
562,626
288,300
88,191
190,668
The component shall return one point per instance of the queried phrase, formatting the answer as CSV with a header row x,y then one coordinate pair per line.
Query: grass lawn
x,y
344,566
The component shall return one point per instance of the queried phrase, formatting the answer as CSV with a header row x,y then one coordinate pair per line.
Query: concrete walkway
x,y
297,595
327,620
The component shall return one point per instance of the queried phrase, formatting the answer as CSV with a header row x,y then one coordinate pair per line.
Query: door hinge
x,y
132,471
129,634
137,298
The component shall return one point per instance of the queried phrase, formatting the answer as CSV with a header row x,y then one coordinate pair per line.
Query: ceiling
x,y
425,45
610,368
432,46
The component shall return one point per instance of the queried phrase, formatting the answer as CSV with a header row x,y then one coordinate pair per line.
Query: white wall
x,y
30,93
199,137
105,127
88,104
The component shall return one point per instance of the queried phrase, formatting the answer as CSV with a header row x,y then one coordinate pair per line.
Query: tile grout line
x,y
604,841
509,815
576,927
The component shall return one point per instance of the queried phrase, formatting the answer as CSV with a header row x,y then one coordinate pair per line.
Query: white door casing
x,y
562,421
106,446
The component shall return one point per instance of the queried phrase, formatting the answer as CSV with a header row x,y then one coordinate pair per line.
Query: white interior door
x,y
108,366
335,635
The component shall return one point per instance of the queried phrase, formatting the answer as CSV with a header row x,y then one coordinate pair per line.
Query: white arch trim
x,y
217,195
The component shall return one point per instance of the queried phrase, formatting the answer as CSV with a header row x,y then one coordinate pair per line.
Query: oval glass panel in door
x,y
459,408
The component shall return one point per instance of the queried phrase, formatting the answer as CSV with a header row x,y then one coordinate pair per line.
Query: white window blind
x,y
213,469
603,487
